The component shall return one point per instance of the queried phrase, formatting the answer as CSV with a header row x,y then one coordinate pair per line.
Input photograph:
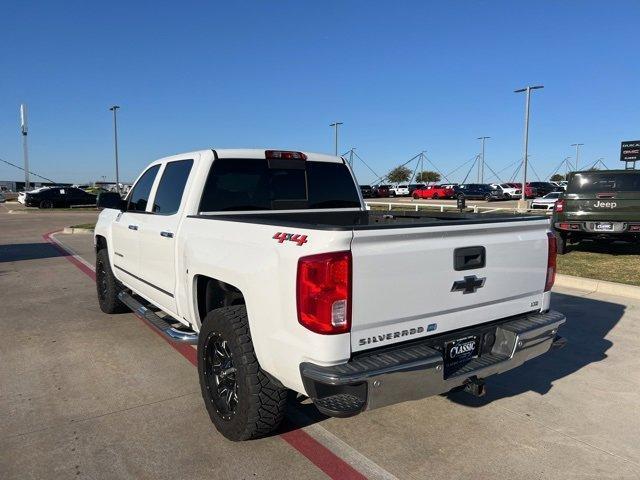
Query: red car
x,y
434,192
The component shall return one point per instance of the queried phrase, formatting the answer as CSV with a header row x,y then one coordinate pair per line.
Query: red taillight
x,y
551,261
269,154
324,292
634,228
559,206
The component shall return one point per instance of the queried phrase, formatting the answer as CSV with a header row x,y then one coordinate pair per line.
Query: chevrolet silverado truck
x,y
601,205
270,264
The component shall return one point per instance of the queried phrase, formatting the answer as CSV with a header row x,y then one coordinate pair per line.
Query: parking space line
x,y
337,459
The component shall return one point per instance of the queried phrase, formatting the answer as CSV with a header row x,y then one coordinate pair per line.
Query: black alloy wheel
x,y
220,375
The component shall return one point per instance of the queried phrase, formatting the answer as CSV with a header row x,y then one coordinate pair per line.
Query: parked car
x,y
323,329
381,191
415,186
509,190
599,205
529,191
542,188
366,190
547,202
2,198
65,197
480,191
399,191
434,192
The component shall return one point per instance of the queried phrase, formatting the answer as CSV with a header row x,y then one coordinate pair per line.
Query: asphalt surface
x,y
89,395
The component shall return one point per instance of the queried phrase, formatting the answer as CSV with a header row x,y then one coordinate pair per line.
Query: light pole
x,y
567,164
526,134
335,125
25,151
481,165
577,145
114,109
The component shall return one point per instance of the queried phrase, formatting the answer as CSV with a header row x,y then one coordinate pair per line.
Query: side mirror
x,y
111,200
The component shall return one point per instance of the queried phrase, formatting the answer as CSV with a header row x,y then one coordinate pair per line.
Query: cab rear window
x,y
598,182
236,184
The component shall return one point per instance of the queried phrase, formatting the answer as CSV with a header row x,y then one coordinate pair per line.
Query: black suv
x,y
367,191
58,197
542,188
479,191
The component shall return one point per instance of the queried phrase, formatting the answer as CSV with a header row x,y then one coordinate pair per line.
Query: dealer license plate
x,y
459,352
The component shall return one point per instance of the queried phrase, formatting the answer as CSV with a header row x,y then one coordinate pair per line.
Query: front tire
x,y
46,204
107,285
241,399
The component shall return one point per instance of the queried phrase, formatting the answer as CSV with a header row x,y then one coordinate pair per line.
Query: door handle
x,y
166,234
133,227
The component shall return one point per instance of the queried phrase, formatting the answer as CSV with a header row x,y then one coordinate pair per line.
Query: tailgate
x,y
403,279
620,206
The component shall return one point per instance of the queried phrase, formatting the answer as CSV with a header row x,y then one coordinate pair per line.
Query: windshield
x,y
599,182
254,184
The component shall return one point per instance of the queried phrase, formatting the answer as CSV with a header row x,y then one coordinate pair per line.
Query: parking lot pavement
x,y
91,395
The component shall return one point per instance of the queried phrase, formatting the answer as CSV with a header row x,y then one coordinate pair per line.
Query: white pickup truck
x,y
270,263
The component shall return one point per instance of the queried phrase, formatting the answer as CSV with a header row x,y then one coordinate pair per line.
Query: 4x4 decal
x,y
291,237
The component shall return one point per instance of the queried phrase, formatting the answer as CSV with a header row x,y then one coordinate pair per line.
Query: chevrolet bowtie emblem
x,y
470,284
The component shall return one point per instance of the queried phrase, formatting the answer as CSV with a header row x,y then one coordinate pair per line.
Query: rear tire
x,y
107,285
241,399
416,196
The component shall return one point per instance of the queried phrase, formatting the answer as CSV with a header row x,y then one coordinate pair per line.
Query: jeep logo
x,y
462,348
600,204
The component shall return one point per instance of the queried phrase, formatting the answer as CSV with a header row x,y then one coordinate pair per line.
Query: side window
x,y
171,187
140,193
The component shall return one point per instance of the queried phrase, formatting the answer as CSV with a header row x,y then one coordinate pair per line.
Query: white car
x,y
399,191
22,196
508,190
277,276
547,202
2,198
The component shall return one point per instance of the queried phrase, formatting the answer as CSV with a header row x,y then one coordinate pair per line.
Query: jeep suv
x,y
599,205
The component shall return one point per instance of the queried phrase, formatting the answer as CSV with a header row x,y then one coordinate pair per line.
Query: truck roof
x,y
619,170
259,153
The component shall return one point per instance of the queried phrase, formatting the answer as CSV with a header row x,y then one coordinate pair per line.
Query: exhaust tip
x,y
476,387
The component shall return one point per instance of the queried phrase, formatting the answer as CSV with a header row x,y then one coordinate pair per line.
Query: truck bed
x,y
368,220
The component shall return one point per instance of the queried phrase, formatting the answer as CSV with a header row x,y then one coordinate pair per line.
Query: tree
x,y
557,178
427,176
399,174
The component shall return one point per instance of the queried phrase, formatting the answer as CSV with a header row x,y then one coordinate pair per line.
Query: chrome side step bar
x,y
159,323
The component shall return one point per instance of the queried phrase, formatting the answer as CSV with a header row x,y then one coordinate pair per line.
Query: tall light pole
x,y
335,125
577,145
114,109
567,164
481,165
526,134
25,151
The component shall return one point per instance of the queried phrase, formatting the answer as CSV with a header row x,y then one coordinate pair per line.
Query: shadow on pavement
x,y
28,251
610,248
588,323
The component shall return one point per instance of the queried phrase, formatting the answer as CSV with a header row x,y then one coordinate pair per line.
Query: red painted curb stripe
x,y
314,451
321,456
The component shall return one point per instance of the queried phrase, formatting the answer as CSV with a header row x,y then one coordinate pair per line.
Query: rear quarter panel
x,y
247,256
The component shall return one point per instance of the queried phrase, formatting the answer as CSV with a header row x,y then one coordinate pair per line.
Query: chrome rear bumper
x,y
414,371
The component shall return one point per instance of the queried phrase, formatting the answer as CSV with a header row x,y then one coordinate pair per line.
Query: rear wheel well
x,y
212,293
